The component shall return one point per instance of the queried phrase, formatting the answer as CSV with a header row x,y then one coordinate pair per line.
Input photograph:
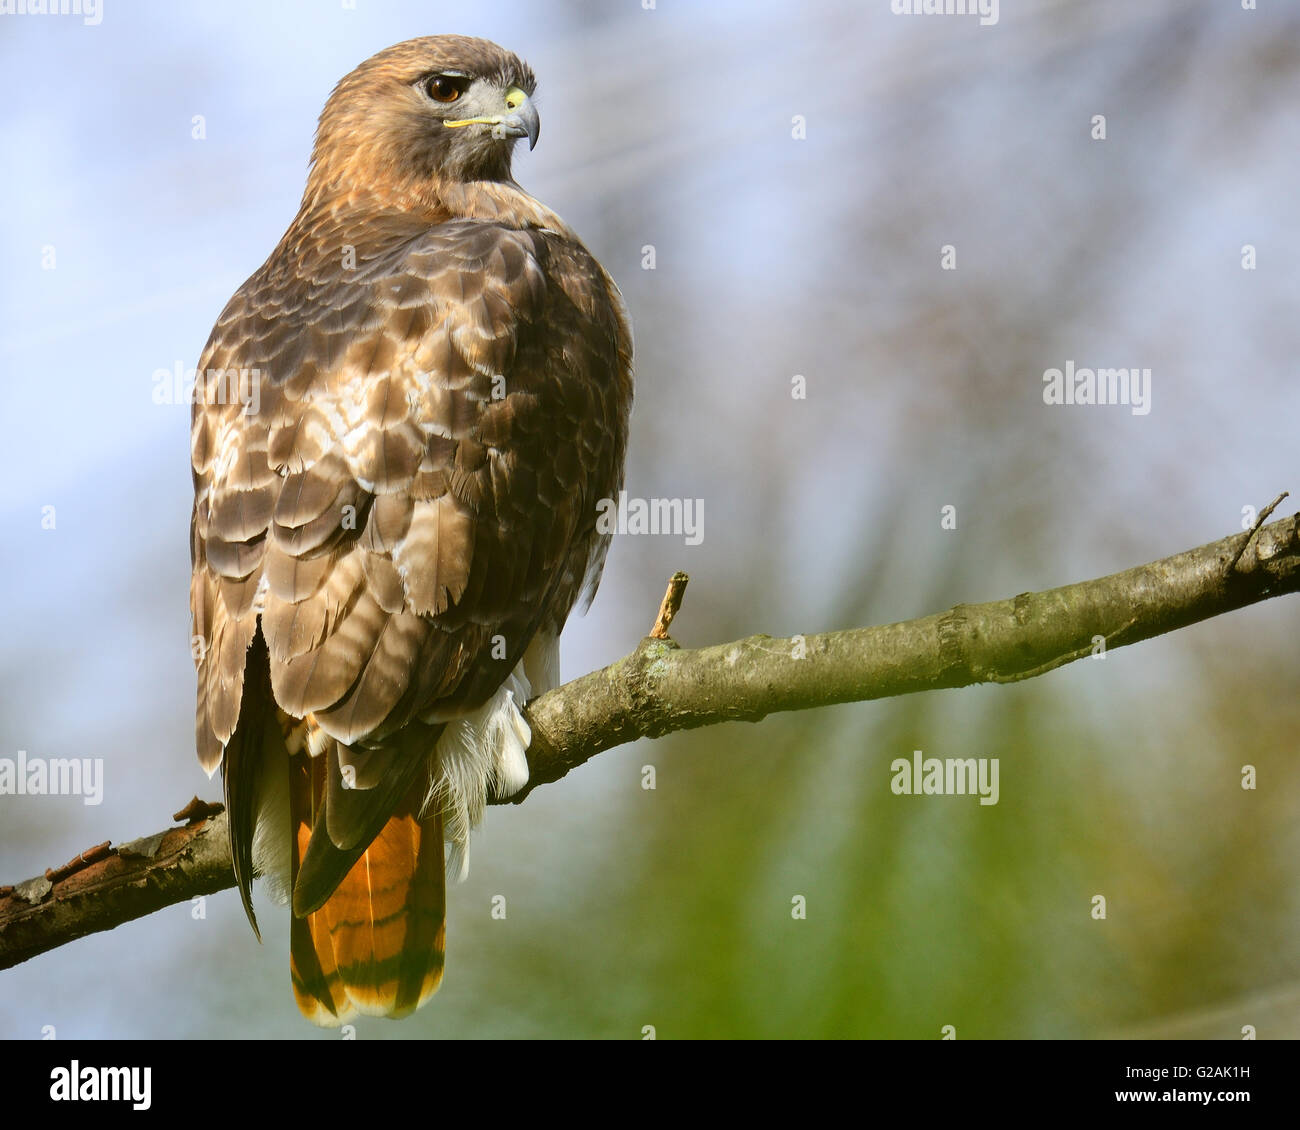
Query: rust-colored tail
x,y
376,945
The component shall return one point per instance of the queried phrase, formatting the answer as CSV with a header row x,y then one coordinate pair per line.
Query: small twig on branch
x,y
197,810
660,688
1263,517
668,607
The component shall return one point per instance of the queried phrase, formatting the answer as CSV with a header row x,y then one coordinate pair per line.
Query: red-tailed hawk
x,y
405,422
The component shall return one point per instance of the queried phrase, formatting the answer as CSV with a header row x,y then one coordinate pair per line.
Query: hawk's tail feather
x,y
347,816
256,740
376,945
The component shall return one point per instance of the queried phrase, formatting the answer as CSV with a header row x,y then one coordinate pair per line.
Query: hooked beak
x,y
522,121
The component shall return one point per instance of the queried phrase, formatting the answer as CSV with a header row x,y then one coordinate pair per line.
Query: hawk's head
x,y
445,107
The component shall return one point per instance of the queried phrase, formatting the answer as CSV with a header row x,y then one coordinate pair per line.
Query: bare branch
x,y
124,883
661,687
1254,529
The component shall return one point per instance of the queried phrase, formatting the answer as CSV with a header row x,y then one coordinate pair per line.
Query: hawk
x,y
397,511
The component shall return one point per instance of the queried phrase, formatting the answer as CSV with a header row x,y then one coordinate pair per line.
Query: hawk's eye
x,y
442,88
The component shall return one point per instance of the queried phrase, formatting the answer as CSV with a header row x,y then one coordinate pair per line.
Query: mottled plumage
x,y
437,382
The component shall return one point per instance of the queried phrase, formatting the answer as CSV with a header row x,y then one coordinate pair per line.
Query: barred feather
x,y
376,946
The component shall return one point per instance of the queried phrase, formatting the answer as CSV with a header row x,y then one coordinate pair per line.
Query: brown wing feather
x,y
420,476
481,509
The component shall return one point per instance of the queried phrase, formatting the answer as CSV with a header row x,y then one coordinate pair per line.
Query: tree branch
x,y
661,687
